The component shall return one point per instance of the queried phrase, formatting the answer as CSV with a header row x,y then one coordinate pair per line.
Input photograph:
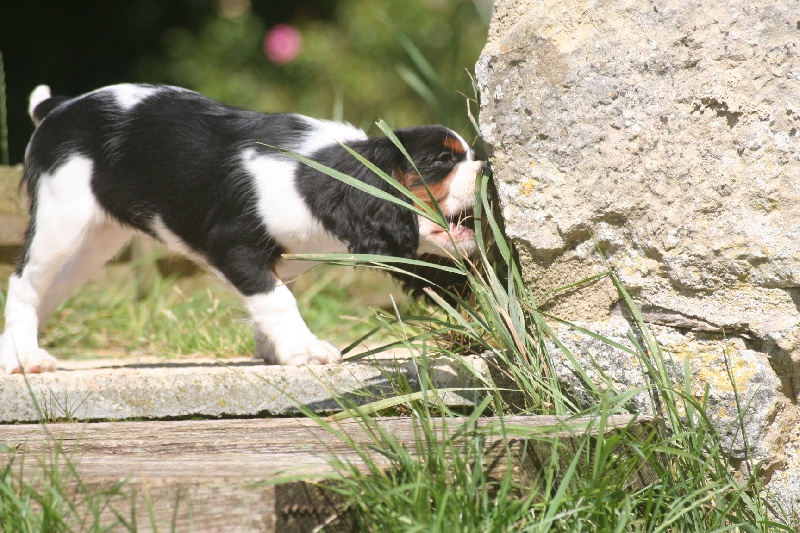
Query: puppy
x,y
204,179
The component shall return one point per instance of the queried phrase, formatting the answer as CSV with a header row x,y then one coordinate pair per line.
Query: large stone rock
x,y
664,137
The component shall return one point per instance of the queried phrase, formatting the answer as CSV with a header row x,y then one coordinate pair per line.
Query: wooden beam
x,y
210,474
13,208
13,201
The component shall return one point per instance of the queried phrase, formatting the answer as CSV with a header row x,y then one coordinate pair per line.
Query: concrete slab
x,y
152,388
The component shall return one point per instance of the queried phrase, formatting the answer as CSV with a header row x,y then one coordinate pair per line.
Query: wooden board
x,y
205,475
13,208
12,230
13,201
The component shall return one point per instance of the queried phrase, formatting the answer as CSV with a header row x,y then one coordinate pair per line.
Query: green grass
x,y
669,476
457,481
590,482
48,496
201,316
587,483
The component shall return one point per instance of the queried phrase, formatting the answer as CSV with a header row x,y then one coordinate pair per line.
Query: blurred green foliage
x,y
359,65
401,60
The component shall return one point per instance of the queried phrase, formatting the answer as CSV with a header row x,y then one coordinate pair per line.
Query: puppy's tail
x,y
42,102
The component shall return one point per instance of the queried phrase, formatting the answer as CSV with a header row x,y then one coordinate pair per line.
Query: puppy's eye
x,y
444,157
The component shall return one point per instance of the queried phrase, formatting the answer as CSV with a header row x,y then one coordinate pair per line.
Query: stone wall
x,y
665,137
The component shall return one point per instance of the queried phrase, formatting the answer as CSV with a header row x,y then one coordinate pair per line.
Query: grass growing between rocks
x,y
670,475
460,475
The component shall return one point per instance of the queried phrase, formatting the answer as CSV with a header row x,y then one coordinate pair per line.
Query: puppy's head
x,y
444,172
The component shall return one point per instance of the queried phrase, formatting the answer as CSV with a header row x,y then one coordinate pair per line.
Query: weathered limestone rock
x,y
665,137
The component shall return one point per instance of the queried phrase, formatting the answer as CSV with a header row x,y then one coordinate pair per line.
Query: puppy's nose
x,y
486,170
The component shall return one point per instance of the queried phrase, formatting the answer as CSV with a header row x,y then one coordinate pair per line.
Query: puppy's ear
x,y
369,225
382,227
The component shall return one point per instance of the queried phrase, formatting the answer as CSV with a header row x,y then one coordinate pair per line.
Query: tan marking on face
x,y
455,145
414,183
439,190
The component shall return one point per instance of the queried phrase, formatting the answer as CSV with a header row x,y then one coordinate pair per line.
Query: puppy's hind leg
x,y
99,245
64,213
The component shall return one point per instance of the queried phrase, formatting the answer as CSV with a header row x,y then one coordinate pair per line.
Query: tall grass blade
x,y
372,259
353,182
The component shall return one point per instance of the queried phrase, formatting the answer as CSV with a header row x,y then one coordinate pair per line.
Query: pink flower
x,y
282,44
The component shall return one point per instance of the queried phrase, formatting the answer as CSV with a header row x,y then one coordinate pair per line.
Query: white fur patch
x,y
127,96
276,318
285,213
67,192
460,198
102,242
462,187
39,95
326,133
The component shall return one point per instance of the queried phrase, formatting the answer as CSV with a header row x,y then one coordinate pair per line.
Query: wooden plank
x,y
12,230
13,210
204,474
13,201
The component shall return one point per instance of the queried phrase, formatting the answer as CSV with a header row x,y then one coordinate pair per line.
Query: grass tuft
x,y
671,474
48,495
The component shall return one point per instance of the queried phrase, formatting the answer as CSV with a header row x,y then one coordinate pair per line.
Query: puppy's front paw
x,y
33,363
314,352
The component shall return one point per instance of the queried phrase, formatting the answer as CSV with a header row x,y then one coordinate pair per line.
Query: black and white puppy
x,y
201,178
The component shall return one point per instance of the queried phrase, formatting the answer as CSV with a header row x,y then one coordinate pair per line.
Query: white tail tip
x,y
39,95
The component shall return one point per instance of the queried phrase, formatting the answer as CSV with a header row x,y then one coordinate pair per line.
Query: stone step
x,y
209,475
150,388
